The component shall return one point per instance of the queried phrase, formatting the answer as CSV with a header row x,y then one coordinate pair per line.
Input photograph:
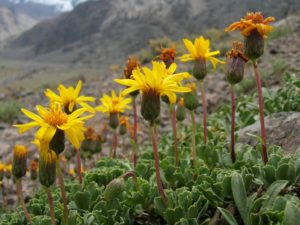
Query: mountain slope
x,y
104,31
15,19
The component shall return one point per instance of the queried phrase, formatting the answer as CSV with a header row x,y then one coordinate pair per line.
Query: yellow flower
x,y
253,22
53,119
114,103
8,168
158,81
69,97
20,151
200,50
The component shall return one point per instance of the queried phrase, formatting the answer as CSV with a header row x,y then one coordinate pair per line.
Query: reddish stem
x,y
173,111
21,200
79,165
134,154
232,153
261,114
115,143
204,108
156,164
193,153
50,200
63,191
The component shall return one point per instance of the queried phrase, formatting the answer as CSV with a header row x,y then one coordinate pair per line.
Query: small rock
x,y
282,129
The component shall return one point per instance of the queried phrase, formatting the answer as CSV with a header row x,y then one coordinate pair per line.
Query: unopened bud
x,y
34,170
47,168
190,98
199,70
236,61
114,120
19,166
114,189
180,113
150,108
122,129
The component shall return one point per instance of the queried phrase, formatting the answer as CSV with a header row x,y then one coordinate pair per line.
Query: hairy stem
x,y
63,192
261,114
193,152
134,152
156,164
174,128
204,108
51,206
21,200
115,143
78,165
232,143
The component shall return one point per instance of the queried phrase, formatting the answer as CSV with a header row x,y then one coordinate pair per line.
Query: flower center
x,y
55,116
255,17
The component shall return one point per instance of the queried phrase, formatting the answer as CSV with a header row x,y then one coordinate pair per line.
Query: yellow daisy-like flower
x,y
69,97
200,50
114,103
253,22
53,119
159,80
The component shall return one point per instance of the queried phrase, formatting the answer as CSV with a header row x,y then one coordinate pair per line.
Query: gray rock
x,y
282,129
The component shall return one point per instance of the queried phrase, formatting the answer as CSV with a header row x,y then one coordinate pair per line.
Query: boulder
x,y
282,129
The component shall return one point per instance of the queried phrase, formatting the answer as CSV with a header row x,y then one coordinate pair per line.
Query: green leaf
x,y
273,191
239,194
82,200
228,216
291,214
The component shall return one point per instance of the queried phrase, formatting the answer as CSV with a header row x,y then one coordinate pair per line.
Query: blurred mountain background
x,y
54,38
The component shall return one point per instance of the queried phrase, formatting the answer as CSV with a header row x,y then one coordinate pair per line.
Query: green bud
x,y
58,142
190,100
19,165
180,113
150,108
254,45
199,69
114,189
235,70
122,129
114,120
47,168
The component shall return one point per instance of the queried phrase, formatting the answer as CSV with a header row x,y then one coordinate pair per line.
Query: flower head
x,y
167,55
200,50
159,81
20,151
34,165
154,83
236,61
132,63
69,97
114,103
54,119
19,165
253,22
